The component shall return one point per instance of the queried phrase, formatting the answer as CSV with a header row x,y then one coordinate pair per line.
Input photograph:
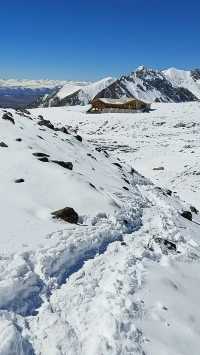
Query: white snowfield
x,y
183,78
111,284
87,91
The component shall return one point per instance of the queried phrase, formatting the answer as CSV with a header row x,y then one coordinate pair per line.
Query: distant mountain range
x,y
151,85
20,93
171,85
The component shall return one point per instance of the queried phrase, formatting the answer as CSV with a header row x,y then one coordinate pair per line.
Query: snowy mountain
x,y
144,83
149,85
77,94
189,79
20,93
122,275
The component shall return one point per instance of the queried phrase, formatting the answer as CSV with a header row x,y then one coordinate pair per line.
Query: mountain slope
x,y
149,85
115,283
189,79
20,93
77,95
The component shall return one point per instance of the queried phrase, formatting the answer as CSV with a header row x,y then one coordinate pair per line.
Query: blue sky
x,y
91,39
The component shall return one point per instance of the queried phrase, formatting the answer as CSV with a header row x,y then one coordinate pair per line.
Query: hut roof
x,y
121,101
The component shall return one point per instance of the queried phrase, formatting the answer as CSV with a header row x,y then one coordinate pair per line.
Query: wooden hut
x,y
118,105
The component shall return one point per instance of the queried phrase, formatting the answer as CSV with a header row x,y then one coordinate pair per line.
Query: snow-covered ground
x,y
109,285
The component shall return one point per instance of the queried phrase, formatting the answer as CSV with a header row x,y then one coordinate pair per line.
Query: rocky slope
x,y
76,95
189,79
149,85
146,84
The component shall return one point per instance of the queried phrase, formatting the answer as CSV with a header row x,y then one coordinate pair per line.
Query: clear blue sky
x,y
91,39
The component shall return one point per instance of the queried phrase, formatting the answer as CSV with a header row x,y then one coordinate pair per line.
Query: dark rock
x,y
63,130
91,156
106,154
8,117
3,145
67,214
194,209
64,164
123,243
159,168
19,181
93,186
98,149
79,138
44,159
18,139
187,215
41,155
46,123
166,244
169,192
118,165
125,188
127,181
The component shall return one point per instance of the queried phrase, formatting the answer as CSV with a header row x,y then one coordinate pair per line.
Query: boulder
x,y
41,155
46,123
3,145
187,215
67,214
79,138
8,117
19,181
159,168
64,164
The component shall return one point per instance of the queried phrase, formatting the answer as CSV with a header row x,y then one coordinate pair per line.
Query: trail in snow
x,y
103,286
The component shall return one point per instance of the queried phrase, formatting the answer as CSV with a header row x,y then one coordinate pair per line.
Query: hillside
x,y
76,95
144,83
133,257
189,79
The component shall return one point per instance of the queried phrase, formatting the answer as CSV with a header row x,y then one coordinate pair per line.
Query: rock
x,y
46,123
180,125
64,164
3,145
18,139
8,117
44,159
166,244
187,215
118,165
93,186
125,188
19,181
79,138
63,130
123,243
127,181
41,155
67,214
169,192
194,209
159,168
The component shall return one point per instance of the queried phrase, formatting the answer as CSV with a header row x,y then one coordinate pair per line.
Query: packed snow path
x,y
108,285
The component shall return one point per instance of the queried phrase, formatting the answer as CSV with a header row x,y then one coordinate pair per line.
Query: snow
x,y
106,285
86,92
183,78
